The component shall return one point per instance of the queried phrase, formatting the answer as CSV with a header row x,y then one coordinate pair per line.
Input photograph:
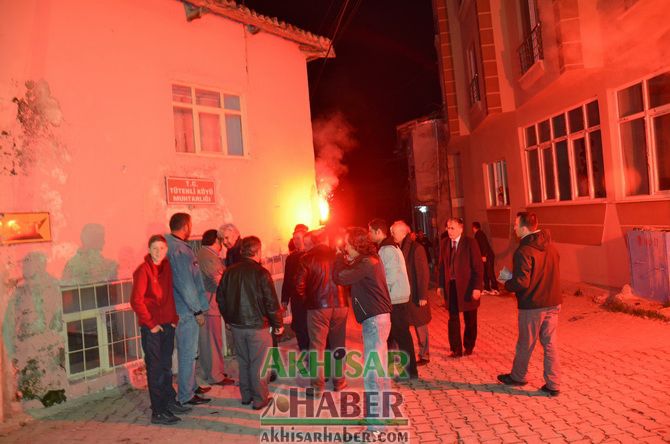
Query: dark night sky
x,y
385,73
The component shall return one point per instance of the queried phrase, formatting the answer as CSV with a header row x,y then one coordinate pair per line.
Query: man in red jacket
x,y
153,302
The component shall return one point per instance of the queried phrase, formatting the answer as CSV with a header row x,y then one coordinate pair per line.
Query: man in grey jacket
x,y
210,342
397,282
191,303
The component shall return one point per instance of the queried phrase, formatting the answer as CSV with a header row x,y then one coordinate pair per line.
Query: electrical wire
x,y
340,16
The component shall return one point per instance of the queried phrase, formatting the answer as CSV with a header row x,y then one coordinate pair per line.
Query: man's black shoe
x,y
163,419
169,413
263,404
467,352
196,400
422,361
455,355
202,390
176,407
507,380
551,392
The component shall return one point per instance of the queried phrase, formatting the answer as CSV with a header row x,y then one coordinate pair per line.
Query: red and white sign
x,y
189,191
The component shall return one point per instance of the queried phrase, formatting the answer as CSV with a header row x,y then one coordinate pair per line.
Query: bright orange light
x,y
324,209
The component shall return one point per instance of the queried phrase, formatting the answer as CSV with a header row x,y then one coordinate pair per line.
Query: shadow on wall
x,y
32,333
88,265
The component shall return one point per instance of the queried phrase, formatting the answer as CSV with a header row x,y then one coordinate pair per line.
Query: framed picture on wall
x,y
21,228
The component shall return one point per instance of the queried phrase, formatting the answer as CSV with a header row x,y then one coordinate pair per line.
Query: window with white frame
x,y
101,329
496,181
644,128
564,156
207,121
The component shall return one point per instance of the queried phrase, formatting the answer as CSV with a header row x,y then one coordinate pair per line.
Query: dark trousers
x,y
158,349
299,325
327,331
470,320
490,282
401,336
251,347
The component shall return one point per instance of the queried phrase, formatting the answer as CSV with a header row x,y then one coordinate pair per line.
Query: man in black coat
x,y
418,273
248,303
461,273
289,294
326,305
536,282
488,257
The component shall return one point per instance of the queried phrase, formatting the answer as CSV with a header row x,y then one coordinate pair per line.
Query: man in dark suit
x,y
461,273
488,257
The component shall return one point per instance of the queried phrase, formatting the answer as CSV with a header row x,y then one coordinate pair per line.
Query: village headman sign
x,y
189,191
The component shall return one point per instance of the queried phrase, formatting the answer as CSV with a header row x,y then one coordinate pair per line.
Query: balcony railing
x,y
474,90
530,50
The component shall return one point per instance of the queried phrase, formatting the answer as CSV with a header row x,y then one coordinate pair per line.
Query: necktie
x,y
452,273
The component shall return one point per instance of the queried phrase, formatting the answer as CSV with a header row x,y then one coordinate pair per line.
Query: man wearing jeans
x,y
361,268
191,302
536,282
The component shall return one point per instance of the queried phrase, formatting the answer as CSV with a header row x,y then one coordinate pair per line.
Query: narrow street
x,y
615,389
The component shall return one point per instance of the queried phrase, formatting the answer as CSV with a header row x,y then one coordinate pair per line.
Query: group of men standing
x,y
205,288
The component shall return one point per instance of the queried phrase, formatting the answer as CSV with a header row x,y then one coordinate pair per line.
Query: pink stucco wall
x,y
110,69
99,140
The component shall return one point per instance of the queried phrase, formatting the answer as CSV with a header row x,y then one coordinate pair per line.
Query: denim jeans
x,y
158,349
187,350
539,323
375,334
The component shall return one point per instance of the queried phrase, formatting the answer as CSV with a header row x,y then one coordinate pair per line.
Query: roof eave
x,y
313,46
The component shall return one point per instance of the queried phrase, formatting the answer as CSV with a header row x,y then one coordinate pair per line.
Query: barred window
x,y
495,174
101,328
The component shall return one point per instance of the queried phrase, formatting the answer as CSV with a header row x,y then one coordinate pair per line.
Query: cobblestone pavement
x,y
616,388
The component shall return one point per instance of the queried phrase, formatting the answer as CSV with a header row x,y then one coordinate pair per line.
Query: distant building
x,y
562,108
113,116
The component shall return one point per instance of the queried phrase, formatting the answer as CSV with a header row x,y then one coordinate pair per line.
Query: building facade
x,y
561,107
114,115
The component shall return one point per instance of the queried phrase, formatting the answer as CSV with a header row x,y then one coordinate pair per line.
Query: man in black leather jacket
x,y
326,306
249,304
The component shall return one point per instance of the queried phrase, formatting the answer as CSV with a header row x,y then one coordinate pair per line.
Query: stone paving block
x,y
510,438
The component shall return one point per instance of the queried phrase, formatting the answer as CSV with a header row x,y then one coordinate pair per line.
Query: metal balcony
x,y
530,50
474,90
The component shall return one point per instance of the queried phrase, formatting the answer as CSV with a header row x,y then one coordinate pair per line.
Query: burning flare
x,y
324,208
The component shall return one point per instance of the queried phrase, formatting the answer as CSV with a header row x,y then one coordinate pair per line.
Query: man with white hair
x,y
230,237
419,279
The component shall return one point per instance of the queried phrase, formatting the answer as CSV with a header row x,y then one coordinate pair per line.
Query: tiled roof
x,y
312,45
